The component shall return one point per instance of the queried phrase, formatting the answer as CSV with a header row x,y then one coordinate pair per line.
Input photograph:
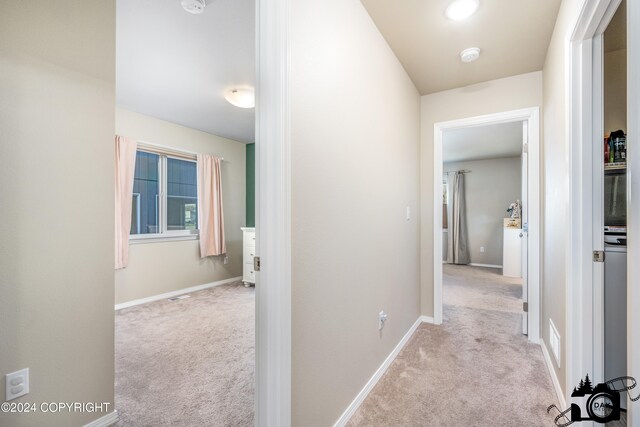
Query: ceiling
x,y
482,142
176,66
513,36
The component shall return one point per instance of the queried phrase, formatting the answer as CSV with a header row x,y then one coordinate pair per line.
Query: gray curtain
x,y
458,244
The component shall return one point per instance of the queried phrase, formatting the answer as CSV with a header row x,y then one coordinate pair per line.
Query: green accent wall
x,y
251,185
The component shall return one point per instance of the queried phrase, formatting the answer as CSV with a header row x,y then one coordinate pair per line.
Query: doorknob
x,y
520,235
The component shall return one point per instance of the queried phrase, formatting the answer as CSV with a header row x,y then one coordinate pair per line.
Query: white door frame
x,y
584,296
524,198
584,308
273,219
633,191
532,116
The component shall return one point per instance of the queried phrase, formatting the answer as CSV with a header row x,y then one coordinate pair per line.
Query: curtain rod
x,y
460,171
170,150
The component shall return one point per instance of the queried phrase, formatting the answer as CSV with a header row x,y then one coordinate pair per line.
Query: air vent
x,y
178,298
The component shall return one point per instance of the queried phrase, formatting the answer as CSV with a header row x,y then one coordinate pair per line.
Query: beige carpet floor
x,y
476,369
189,362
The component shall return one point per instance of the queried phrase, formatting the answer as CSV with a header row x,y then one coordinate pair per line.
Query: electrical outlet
x,y
17,384
481,249
382,317
225,260
408,216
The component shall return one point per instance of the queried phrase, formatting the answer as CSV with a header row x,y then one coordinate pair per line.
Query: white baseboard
x,y
554,377
351,409
473,264
427,319
106,421
176,293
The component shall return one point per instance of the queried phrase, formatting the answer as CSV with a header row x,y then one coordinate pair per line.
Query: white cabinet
x,y
248,252
512,252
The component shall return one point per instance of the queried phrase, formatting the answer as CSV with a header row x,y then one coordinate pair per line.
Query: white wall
x,y
495,96
615,90
490,187
555,171
355,144
57,98
156,268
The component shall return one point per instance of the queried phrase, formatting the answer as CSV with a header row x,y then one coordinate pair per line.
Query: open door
x,y
524,234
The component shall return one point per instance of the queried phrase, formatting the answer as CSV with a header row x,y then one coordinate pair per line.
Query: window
x,y
165,197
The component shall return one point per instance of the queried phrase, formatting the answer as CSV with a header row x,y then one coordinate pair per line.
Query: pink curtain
x,y
210,213
125,169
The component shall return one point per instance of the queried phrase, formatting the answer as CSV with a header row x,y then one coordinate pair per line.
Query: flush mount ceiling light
x,y
194,6
241,97
470,55
461,9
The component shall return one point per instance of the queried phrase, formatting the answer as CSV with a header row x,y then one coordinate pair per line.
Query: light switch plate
x,y
16,384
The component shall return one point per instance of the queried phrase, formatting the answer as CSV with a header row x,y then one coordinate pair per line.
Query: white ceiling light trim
x,y
461,9
241,97
194,6
470,55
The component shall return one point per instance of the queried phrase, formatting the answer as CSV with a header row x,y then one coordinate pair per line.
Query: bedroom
x,y
184,318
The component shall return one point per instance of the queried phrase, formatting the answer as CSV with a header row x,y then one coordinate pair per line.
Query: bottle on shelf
x,y
612,150
619,143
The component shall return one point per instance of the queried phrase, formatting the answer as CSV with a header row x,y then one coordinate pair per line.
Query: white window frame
x,y
136,198
165,234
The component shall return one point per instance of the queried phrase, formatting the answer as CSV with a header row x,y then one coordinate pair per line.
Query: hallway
x,y
475,369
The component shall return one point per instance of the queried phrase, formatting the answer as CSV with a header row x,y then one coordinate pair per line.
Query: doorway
x,y
184,102
612,214
484,209
529,118
593,182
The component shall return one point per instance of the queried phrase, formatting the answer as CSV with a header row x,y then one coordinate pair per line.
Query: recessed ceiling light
x,y
461,9
470,55
194,6
241,97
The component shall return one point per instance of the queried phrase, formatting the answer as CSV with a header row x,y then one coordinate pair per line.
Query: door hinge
x,y
525,307
256,263
525,148
598,256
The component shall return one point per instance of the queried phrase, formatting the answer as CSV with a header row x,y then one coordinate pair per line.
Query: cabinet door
x,y
511,252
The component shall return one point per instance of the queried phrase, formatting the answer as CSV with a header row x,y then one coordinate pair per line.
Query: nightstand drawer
x,y
248,275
